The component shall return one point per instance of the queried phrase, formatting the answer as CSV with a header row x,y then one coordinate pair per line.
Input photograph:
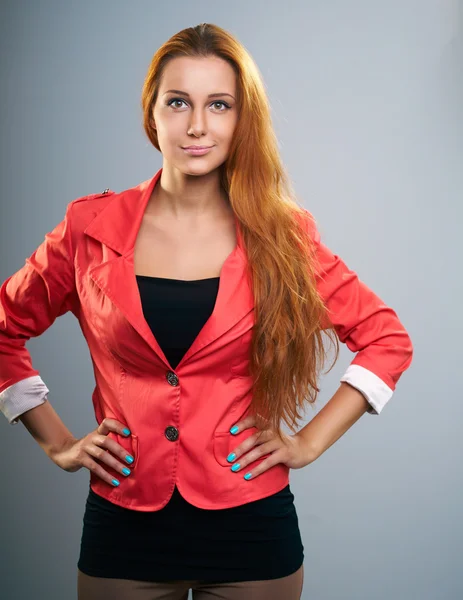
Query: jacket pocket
x,y
225,442
221,445
130,444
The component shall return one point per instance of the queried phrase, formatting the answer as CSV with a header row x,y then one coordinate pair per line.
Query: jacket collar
x,y
117,226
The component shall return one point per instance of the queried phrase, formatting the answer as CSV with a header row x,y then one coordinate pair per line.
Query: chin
x,y
197,170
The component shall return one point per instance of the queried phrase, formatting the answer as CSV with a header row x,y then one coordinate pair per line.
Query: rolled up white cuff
x,y
376,392
22,396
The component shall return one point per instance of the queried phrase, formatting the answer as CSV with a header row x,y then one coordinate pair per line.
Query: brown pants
x,y
96,588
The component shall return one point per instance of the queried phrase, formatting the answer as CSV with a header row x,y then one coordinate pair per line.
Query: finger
x,y
108,424
258,438
118,451
98,449
245,423
96,469
245,458
265,465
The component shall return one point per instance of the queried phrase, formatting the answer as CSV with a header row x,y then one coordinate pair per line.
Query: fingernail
x,y
126,471
115,482
129,459
126,431
235,467
247,476
231,457
234,429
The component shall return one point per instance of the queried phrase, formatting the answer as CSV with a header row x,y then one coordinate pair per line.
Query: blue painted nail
x,y
234,429
126,431
115,482
129,459
235,467
126,471
247,476
231,457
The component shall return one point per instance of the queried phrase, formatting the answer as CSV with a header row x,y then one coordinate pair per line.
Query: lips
x,y
197,150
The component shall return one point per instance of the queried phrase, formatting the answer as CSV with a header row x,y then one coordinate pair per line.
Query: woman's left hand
x,y
292,452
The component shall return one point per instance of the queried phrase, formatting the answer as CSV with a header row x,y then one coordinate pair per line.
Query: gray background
x,y
366,100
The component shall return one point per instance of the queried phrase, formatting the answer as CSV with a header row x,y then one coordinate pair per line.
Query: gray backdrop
x,y
366,99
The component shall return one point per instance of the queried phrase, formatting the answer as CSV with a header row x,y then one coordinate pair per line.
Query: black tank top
x,y
257,540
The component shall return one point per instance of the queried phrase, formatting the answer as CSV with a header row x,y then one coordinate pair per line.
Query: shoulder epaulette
x,y
106,192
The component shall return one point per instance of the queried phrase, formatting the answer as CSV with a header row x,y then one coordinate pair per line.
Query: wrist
x,y
309,451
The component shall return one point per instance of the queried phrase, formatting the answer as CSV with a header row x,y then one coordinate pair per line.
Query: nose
x,y
197,124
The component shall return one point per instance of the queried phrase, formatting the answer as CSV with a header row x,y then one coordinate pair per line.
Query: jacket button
x,y
171,433
172,378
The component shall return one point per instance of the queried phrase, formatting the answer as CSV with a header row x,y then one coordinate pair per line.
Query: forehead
x,y
200,76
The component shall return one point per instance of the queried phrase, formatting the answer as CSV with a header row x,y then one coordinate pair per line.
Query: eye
x,y
175,100
224,104
227,106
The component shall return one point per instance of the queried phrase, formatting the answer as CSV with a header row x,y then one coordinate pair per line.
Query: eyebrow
x,y
210,95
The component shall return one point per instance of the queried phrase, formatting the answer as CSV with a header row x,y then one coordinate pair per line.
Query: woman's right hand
x,y
78,453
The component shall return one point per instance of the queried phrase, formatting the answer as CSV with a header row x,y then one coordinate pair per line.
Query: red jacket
x,y
179,419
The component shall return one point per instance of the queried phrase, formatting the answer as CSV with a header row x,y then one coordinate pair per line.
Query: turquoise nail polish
x,y
129,459
126,471
234,429
235,467
126,431
115,482
247,476
231,457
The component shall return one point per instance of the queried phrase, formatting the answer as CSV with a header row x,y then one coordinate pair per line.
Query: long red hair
x,y
287,350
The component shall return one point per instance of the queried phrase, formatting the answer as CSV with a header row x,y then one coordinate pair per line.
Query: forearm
x,y
334,419
46,427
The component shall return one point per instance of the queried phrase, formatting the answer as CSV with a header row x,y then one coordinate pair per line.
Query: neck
x,y
181,195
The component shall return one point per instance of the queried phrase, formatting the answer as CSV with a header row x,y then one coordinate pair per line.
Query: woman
x,y
203,294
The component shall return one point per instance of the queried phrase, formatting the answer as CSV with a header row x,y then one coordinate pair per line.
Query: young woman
x,y
204,294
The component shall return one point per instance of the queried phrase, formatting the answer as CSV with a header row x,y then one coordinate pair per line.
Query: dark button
x,y
172,378
171,433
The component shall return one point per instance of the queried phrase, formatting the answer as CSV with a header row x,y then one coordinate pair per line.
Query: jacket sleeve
x,y
30,301
365,324
21,397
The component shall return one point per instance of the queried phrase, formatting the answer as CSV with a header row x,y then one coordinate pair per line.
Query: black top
x,y
257,540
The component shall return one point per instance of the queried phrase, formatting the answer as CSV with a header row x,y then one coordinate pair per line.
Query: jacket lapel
x,y
117,226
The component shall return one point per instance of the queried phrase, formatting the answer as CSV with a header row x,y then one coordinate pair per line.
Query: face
x,y
202,112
